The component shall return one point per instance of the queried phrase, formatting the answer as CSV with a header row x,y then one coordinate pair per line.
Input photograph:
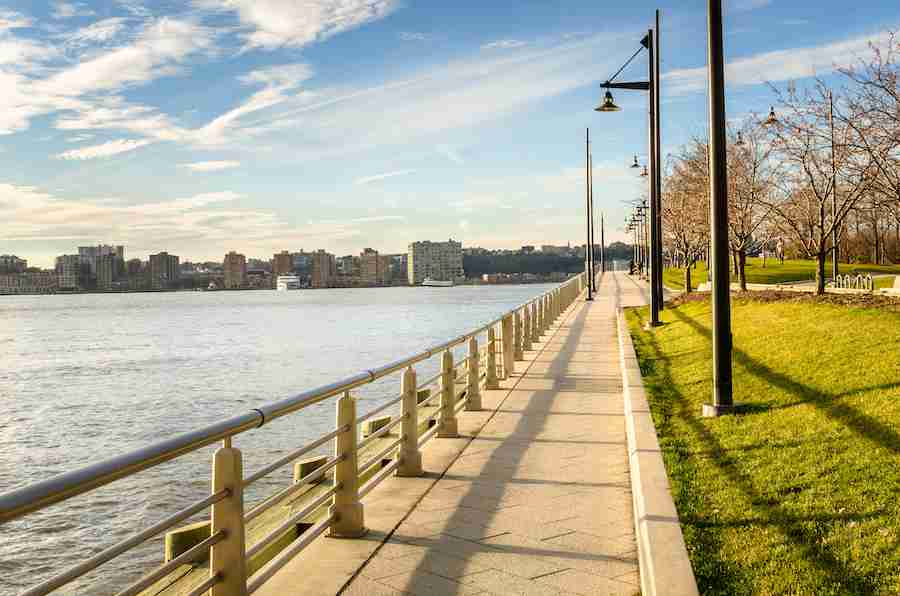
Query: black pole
x,y
649,225
657,181
587,204
602,244
718,186
591,200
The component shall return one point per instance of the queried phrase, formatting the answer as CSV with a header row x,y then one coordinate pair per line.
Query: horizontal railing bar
x,y
430,381
186,557
291,521
379,409
205,586
433,416
458,407
285,493
273,566
377,478
120,547
292,456
428,434
381,455
380,432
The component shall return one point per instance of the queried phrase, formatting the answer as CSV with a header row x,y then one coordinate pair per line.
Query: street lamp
x,y
723,401
650,42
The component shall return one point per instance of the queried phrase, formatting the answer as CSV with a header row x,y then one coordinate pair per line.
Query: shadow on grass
x,y
715,575
863,425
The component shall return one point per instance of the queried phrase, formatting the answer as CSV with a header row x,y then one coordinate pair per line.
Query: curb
x,y
664,562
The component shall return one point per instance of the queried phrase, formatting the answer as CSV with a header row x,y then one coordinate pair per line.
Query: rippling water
x,y
85,377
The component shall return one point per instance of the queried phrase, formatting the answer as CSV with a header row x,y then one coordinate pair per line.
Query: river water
x,y
86,377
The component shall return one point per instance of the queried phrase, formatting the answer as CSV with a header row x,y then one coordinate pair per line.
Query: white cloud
x,y
98,32
107,149
202,226
747,5
379,177
469,92
280,23
504,44
415,36
775,66
278,82
66,10
10,19
210,166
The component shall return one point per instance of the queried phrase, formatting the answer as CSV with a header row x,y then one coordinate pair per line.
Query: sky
x,y
204,126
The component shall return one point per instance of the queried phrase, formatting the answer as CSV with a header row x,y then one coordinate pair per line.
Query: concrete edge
x,y
664,563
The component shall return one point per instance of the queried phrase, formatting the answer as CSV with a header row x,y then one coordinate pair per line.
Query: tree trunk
x,y
820,273
687,280
734,261
742,269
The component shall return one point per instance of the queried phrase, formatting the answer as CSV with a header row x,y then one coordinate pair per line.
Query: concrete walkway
x,y
539,502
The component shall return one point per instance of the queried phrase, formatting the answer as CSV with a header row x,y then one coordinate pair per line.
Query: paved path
x,y
539,502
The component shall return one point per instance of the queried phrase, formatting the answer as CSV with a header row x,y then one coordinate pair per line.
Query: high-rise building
x,y
106,268
436,260
235,267
90,254
12,264
282,264
68,269
165,271
374,269
324,269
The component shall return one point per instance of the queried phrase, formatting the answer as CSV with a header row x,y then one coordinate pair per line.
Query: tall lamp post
x,y
723,401
589,211
650,42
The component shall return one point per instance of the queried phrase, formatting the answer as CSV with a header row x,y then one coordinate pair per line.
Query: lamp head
x,y
635,164
740,139
644,172
608,105
772,119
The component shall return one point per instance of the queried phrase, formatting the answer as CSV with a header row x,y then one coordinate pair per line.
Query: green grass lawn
x,y
774,272
801,494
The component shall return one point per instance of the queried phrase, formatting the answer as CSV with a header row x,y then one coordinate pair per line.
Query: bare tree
x,y
815,163
685,207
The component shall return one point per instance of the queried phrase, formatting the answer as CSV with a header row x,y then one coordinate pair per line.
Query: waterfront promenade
x,y
533,498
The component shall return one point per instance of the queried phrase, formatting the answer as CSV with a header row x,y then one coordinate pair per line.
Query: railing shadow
x,y
505,459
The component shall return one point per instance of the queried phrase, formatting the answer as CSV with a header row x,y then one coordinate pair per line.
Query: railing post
x,y
490,380
447,425
226,558
348,511
506,333
473,392
518,349
535,334
410,457
526,328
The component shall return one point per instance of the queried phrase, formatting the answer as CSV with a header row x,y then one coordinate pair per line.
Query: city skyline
x,y
203,127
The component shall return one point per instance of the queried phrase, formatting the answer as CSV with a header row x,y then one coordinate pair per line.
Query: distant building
x,y
29,282
436,260
282,263
235,269
399,269
69,272
348,266
12,264
374,269
324,269
165,271
106,269
90,254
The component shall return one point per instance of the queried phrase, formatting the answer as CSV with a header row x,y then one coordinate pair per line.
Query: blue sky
x,y
261,125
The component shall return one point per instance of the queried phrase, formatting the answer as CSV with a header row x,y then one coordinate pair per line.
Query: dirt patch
x,y
873,301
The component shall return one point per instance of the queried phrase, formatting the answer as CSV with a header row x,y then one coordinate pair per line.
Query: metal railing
x,y
481,368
